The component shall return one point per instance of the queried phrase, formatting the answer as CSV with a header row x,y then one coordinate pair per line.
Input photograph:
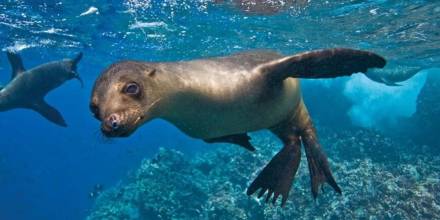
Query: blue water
x,y
47,172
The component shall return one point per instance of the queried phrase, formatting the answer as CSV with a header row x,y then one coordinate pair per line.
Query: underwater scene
x,y
219,109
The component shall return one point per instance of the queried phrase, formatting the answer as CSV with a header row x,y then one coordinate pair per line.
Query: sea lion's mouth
x,y
123,128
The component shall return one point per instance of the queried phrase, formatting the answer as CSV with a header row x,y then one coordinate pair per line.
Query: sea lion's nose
x,y
112,122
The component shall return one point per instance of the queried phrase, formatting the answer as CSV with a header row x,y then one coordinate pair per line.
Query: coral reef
x,y
380,178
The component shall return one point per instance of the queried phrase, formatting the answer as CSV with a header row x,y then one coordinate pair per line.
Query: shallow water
x,y
47,172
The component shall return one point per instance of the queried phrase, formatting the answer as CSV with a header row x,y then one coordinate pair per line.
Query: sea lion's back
x,y
229,70
246,60
228,73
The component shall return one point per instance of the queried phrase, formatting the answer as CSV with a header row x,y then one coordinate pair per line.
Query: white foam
x,y
11,25
153,24
90,11
375,103
54,31
132,5
19,46
155,35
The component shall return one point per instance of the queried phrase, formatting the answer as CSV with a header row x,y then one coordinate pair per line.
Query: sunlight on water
x,y
400,30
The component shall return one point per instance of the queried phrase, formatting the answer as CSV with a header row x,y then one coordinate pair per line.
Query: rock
x,y
425,123
387,179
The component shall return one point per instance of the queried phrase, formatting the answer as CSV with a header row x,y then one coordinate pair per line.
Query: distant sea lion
x,y
393,75
27,89
222,99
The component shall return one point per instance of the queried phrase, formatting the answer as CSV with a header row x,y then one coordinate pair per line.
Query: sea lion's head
x,y
123,98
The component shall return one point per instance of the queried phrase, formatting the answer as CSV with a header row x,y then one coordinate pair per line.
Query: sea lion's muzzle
x,y
112,126
112,122
116,125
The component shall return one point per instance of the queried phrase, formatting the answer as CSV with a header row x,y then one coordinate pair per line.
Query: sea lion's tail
x,y
317,160
75,62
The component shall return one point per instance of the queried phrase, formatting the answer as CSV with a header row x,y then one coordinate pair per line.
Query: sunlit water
x,y
46,172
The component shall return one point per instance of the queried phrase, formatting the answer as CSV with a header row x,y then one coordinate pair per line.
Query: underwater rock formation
x,y
426,121
379,177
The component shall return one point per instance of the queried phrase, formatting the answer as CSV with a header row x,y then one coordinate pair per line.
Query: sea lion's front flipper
x,y
326,63
239,139
16,63
49,112
277,177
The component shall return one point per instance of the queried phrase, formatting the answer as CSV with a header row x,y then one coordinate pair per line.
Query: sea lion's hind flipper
x,y
49,112
239,139
76,60
318,165
326,63
16,63
276,178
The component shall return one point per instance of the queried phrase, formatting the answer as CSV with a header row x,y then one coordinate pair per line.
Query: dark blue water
x,y
47,172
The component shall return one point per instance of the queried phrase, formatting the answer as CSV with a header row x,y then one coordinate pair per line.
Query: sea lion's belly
x,y
215,113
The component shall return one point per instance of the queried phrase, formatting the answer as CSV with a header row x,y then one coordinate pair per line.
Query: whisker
x,y
152,104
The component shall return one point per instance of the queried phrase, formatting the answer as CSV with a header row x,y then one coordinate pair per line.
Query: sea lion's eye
x,y
132,89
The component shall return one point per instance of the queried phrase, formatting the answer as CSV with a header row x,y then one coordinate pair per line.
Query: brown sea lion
x,y
222,99
28,88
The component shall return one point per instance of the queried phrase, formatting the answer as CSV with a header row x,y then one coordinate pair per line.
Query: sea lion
x,y
394,74
27,89
222,99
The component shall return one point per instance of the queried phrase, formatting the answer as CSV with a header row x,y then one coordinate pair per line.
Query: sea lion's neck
x,y
173,86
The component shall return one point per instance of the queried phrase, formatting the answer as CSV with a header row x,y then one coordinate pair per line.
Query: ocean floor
x,y
381,178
